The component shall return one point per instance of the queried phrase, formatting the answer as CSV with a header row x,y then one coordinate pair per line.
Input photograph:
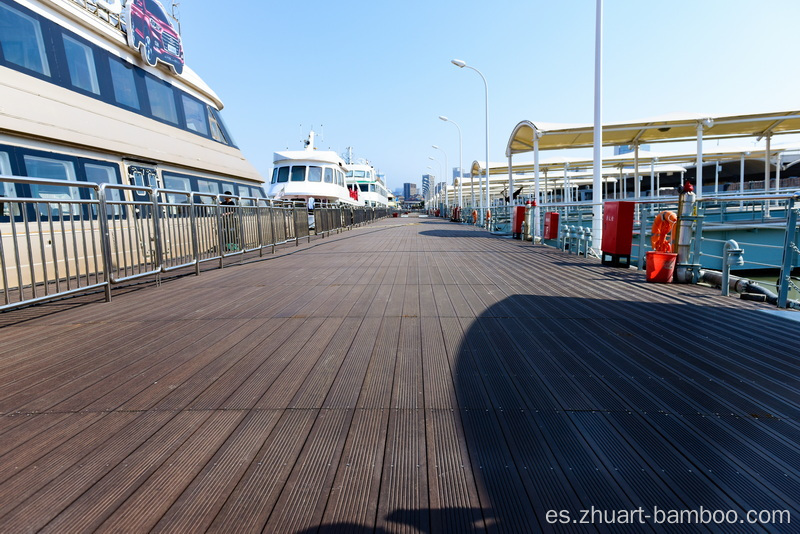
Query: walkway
x,y
407,376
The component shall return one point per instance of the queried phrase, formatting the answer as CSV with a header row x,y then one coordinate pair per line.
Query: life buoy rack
x,y
662,227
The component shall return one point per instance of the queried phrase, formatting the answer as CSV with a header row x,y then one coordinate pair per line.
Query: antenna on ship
x,y
176,15
348,156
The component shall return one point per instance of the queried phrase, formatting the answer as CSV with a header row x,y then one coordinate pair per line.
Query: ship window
x,y
162,100
328,175
52,169
218,129
359,174
177,183
122,79
80,62
104,174
274,175
195,115
217,133
363,187
340,178
283,175
298,173
8,188
315,174
21,40
208,187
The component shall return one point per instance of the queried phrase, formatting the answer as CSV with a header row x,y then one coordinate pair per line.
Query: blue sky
x,y
376,75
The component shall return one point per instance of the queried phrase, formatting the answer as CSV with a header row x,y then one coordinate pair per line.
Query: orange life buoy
x,y
662,226
474,216
488,215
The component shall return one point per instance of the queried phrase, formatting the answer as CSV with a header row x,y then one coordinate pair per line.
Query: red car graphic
x,y
150,32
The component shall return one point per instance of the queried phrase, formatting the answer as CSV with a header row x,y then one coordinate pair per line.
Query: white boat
x,y
372,191
310,173
97,91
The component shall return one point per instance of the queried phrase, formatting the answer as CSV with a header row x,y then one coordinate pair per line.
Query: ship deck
x,y
410,375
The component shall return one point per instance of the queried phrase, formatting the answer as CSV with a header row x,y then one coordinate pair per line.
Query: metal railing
x,y
87,236
764,226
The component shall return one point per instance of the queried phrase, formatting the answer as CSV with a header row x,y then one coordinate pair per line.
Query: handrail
x,y
53,247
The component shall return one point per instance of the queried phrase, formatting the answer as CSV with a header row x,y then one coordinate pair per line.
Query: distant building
x,y
409,190
427,184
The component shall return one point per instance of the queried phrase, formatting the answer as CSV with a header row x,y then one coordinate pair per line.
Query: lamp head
x,y
434,146
458,63
443,118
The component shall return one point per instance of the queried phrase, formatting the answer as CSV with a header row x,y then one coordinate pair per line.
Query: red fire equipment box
x,y
550,225
518,219
617,233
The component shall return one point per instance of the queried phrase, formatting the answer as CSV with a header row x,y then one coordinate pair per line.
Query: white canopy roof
x,y
672,127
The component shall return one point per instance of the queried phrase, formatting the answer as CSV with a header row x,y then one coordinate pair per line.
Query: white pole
x,y
699,179
597,179
637,189
510,181
536,184
767,157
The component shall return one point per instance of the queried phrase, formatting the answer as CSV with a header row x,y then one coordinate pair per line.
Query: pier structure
x,y
410,375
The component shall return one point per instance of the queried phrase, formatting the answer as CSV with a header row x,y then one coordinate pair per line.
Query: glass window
x,y
21,40
80,61
315,174
210,188
162,101
124,84
105,174
177,183
359,174
328,175
274,175
195,115
298,173
218,130
37,167
8,188
283,175
363,187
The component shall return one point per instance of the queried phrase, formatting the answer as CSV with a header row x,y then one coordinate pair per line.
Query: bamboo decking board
x,y
411,375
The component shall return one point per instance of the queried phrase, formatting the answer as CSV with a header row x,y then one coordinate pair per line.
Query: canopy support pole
x,y
536,191
699,178
511,200
597,177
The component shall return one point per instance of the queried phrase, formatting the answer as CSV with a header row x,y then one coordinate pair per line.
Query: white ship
x,y
310,173
372,191
97,91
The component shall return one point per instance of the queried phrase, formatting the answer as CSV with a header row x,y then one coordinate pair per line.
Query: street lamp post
x,y
446,200
460,168
462,64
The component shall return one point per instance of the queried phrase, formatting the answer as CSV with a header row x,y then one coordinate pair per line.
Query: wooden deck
x,y
412,375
